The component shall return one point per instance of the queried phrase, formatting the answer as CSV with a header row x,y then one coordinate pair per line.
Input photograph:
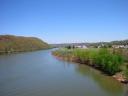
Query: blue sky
x,y
65,21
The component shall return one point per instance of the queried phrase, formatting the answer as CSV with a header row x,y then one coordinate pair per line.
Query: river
x,y
41,74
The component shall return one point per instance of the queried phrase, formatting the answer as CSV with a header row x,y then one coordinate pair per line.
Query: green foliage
x,y
68,47
101,58
126,72
9,43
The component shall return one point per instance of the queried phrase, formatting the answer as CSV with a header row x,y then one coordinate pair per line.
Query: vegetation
x,y
9,44
102,58
95,45
126,72
109,44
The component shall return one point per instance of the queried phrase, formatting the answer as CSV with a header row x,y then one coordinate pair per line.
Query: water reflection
x,y
41,74
107,83
126,90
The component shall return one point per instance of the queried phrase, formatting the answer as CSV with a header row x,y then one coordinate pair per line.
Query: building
x,y
81,46
101,46
119,46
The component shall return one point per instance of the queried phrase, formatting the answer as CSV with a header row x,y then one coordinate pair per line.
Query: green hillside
x,y
10,43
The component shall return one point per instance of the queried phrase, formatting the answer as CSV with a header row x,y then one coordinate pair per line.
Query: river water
x,y
41,74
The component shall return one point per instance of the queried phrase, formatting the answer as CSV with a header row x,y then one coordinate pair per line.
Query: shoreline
x,y
16,52
118,76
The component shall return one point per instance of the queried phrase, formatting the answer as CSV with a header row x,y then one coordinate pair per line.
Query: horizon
x,y
58,43
65,21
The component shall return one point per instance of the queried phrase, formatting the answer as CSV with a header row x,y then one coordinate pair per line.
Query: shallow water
x,y
41,74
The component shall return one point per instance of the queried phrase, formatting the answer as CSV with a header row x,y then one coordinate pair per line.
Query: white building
x,y
119,46
81,46
126,46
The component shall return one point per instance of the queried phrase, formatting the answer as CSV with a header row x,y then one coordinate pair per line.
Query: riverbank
x,y
102,59
17,52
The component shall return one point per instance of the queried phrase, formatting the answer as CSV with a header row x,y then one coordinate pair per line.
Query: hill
x,y
10,43
96,44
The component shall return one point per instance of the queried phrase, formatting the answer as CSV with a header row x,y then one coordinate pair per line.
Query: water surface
x,y
41,74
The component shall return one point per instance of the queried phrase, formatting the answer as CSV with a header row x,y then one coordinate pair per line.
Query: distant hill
x,y
10,43
69,44
120,42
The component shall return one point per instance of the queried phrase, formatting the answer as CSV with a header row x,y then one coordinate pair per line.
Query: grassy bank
x,y
108,60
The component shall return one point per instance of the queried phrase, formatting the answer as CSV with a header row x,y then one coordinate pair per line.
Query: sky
x,y
65,21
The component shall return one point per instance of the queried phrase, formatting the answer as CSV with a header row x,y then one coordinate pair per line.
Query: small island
x,y
14,44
